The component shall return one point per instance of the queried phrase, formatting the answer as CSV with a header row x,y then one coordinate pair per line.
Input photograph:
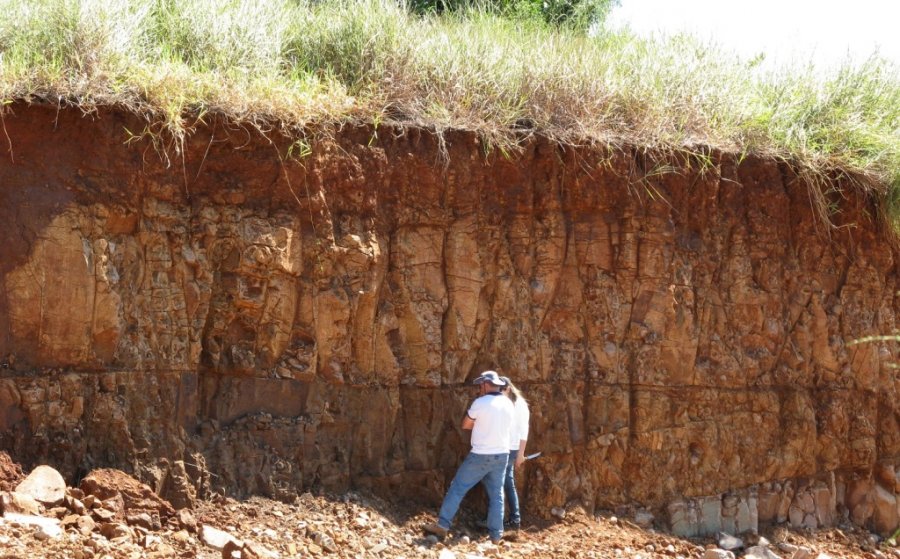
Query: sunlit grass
x,y
297,62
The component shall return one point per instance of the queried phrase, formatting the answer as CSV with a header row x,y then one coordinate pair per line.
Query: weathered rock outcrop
x,y
10,473
228,317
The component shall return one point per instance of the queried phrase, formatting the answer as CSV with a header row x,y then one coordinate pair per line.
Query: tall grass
x,y
299,61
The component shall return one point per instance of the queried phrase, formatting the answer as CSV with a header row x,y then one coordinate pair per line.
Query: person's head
x,y
489,381
510,389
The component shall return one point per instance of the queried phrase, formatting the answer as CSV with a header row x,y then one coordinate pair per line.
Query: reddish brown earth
x,y
226,319
355,525
10,473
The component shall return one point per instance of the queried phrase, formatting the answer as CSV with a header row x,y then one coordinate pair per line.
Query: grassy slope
x,y
296,62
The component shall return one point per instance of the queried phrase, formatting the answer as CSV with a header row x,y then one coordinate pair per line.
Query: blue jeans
x,y
509,489
489,468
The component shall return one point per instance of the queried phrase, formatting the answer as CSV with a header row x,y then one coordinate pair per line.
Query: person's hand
x,y
520,459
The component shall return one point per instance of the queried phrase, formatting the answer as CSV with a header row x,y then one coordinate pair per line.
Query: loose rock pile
x,y
109,511
111,515
10,473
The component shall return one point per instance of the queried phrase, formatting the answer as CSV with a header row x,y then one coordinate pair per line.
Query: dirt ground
x,y
356,525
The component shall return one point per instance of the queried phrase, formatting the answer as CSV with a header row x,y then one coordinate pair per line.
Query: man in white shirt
x,y
517,441
491,418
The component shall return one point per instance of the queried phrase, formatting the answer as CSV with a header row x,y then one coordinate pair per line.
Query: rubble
x,y
359,525
18,502
11,473
125,495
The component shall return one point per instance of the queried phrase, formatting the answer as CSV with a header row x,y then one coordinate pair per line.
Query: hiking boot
x,y
436,529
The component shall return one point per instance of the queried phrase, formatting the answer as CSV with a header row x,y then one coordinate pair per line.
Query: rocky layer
x,y
86,526
260,316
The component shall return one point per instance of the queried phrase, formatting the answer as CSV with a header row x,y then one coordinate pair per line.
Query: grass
x,y
296,62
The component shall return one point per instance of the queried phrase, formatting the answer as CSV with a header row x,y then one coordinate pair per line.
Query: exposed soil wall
x,y
235,319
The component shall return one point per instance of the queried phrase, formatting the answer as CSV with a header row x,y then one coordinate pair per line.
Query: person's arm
x,y
520,455
468,420
524,416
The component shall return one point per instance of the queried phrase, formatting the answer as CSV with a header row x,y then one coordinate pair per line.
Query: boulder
x,y
19,502
729,542
101,514
45,485
178,488
886,518
75,505
217,539
85,525
143,520
116,504
136,497
186,520
683,518
114,530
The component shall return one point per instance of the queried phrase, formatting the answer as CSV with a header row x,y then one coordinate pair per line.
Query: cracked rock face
x,y
223,318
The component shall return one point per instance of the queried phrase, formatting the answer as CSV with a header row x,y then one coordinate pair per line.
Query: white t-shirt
x,y
494,418
519,431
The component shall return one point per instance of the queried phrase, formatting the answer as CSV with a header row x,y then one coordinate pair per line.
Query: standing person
x,y
490,417
517,441
518,438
